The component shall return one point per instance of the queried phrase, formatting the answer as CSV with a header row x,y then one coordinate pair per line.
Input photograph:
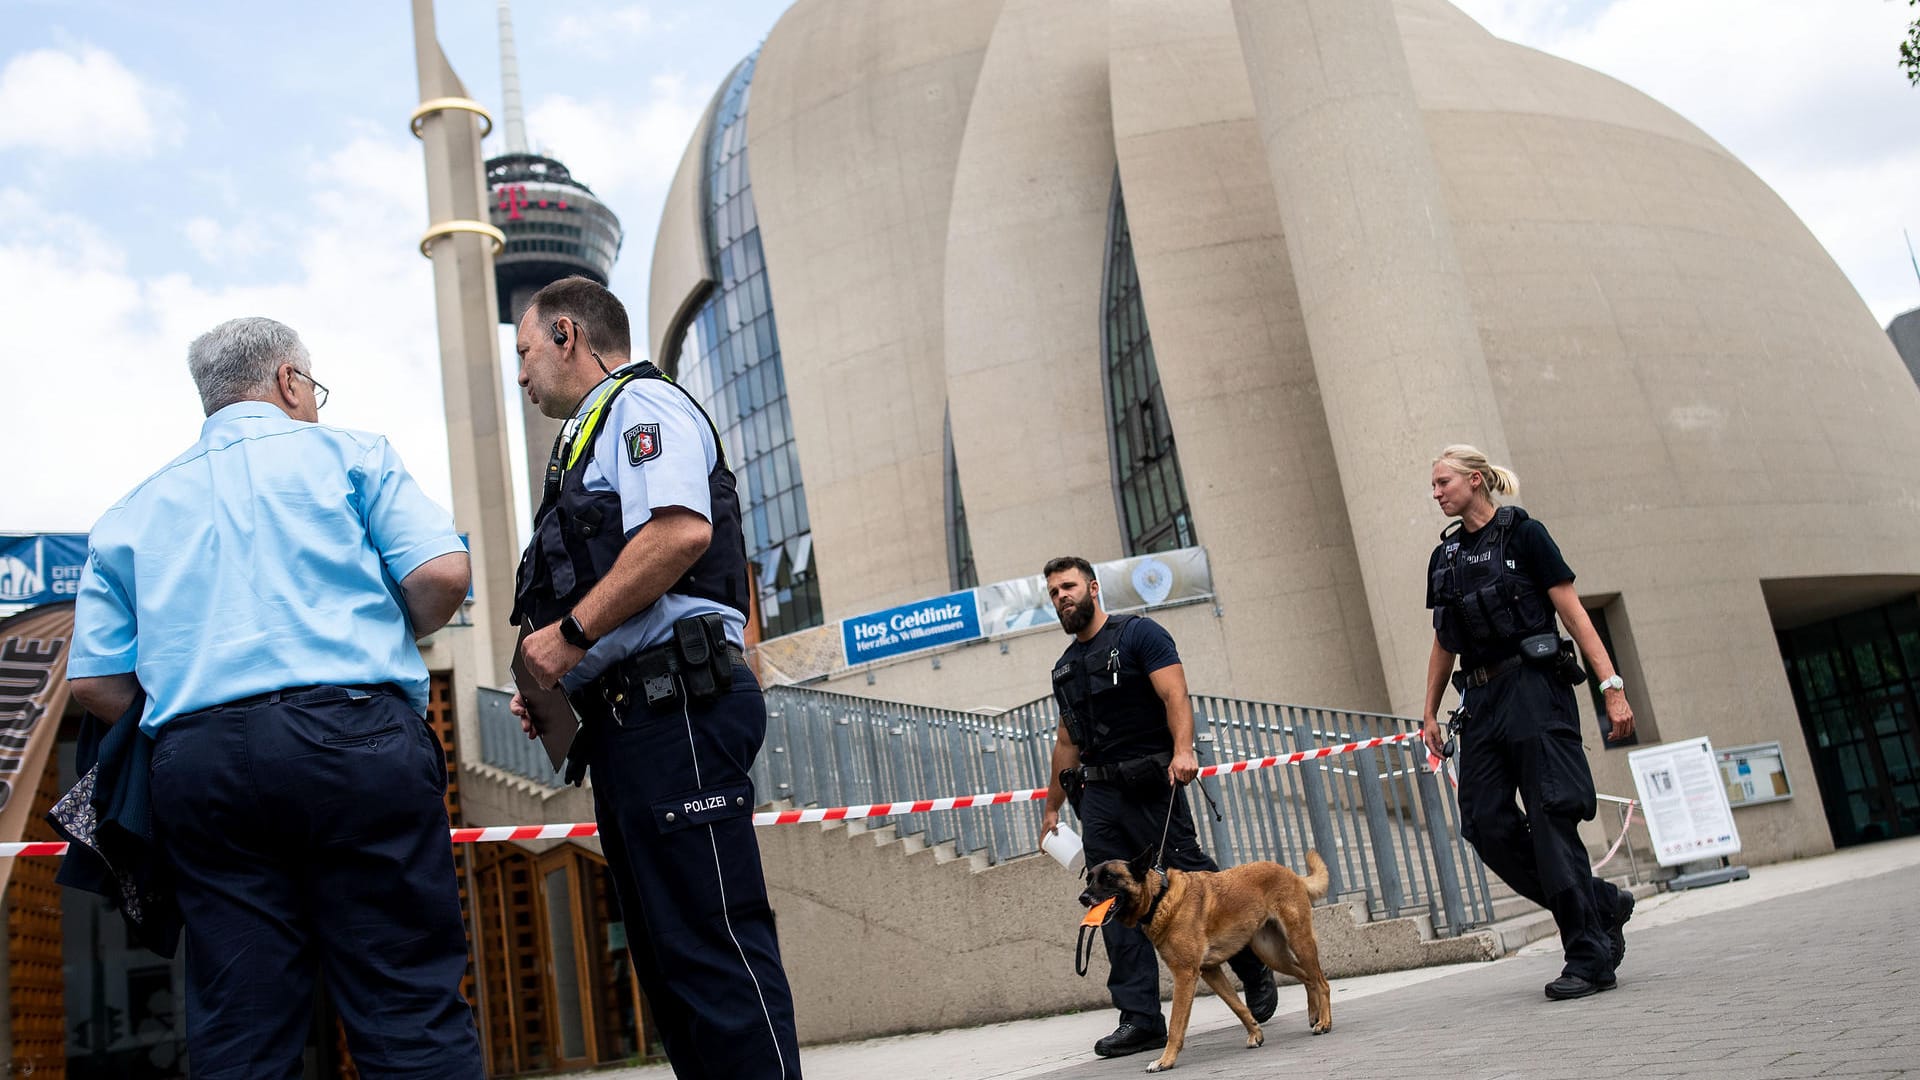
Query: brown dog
x,y
1196,920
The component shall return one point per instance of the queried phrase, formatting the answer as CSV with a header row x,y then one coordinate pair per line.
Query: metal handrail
x,y
1388,830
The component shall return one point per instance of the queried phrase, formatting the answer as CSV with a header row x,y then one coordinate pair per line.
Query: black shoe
x,y
1262,997
1568,987
1617,937
1127,1039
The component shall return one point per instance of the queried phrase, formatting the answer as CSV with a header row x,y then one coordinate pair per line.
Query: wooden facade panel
x,y
36,991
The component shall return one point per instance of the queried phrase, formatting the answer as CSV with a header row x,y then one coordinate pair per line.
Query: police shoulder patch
x,y
643,443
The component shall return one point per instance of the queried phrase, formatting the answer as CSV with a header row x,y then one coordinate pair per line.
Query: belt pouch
x,y
705,665
1074,783
1146,777
655,669
1542,650
1568,666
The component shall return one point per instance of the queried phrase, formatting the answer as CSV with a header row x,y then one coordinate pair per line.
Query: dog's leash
x,y
1096,918
1160,858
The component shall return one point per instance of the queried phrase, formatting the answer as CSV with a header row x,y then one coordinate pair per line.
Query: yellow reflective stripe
x,y
590,424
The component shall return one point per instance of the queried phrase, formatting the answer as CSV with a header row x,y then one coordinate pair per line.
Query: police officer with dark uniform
x,y
1496,581
636,582
1125,739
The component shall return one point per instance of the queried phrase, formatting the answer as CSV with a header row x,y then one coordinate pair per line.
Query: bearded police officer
x,y
636,582
1125,740
1495,583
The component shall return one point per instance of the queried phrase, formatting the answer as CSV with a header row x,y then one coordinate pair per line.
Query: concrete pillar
x,y
464,303
1396,350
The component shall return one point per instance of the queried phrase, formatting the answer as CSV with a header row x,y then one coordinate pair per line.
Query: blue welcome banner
x,y
41,568
923,624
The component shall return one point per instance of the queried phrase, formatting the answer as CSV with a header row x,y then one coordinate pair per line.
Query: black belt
x,y
621,680
1108,774
294,691
1485,674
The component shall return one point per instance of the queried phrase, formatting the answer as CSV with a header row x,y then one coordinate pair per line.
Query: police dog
x,y
1196,920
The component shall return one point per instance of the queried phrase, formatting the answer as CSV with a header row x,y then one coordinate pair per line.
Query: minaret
x,y
450,126
554,225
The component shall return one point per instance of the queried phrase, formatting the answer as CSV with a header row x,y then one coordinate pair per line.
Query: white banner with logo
x,y
1138,583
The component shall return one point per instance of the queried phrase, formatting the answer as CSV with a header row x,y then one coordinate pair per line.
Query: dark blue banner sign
x,y
924,624
41,568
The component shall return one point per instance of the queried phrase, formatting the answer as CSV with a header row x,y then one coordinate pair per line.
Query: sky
x,y
161,173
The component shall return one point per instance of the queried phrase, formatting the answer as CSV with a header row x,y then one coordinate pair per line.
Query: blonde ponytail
x,y
1465,459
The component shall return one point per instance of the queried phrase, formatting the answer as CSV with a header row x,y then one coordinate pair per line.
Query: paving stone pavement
x,y
1820,983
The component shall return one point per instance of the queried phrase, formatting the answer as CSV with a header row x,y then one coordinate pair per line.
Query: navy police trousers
x,y
675,808
1120,825
1523,734
308,834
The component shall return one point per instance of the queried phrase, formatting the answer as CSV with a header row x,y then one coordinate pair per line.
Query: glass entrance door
x,y
1856,683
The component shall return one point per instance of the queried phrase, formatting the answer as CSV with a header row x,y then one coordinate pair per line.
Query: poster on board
x,y
1685,801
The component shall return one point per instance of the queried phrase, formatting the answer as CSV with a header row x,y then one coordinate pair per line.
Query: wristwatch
x,y
575,634
1612,682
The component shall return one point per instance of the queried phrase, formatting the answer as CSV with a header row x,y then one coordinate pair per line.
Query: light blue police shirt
x,y
670,471
265,557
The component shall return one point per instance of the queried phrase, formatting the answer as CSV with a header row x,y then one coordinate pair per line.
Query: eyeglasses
x,y
319,392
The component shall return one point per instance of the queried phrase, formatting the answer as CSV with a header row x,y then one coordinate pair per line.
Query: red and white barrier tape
x,y
494,833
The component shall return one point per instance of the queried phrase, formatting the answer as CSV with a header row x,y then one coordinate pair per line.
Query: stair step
x,y
1531,923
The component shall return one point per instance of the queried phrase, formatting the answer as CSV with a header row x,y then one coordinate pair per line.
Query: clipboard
x,y
552,714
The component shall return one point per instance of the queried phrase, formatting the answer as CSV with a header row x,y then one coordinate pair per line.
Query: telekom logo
x,y
513,199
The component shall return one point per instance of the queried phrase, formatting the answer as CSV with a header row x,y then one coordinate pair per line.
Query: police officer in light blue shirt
x,y
634,590
264,591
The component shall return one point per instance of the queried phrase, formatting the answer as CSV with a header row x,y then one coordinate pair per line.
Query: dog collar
x,y
1154,906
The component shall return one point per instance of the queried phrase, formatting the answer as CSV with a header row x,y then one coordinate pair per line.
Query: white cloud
x,y
599,32
82,103
222,244
1811,100
612,146
94,340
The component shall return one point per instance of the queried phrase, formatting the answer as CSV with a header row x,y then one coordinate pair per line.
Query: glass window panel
x,y
782,471
725,363
782,432
757,289
1153,501
566,965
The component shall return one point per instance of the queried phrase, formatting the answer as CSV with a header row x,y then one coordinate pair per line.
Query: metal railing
x,y
504,746
1388,830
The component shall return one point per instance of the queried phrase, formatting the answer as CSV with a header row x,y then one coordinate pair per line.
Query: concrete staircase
x,y
1519,922
884,934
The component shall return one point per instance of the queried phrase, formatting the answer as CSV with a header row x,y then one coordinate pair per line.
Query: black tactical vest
x,y
1484,603
578,534
1108,705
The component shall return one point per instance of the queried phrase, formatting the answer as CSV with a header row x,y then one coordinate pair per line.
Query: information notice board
x,y
1684,799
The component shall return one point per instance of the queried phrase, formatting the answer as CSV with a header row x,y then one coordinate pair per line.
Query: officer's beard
x,y
1076,617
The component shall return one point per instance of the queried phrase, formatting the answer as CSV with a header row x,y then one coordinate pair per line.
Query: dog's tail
x,y
1316,879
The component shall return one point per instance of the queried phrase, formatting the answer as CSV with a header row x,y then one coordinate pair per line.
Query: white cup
x,y
1064,845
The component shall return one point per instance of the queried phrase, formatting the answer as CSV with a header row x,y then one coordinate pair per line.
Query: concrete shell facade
x,y
1363,230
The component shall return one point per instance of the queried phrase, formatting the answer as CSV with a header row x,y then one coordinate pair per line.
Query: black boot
x,y
1127,1039
1568,987
1262,996
1616,936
